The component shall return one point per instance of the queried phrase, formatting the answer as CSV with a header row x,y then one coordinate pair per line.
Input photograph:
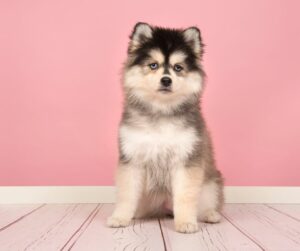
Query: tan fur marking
x,y
177,58
157,56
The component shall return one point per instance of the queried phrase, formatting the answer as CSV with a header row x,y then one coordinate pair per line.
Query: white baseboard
x,y
106,194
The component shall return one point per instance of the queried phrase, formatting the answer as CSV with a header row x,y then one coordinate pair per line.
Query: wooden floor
x,y
82,227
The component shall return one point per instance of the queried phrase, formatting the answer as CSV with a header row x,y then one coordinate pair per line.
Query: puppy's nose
x,y
166,81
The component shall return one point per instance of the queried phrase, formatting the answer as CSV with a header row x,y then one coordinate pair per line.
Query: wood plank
x,y
291,210
221,236
48,228
10,214
271,229
141,235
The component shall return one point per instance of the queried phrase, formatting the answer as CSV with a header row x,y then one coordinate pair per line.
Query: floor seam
x,y
91,216
245,234
21,218
69,208
279,211
162,234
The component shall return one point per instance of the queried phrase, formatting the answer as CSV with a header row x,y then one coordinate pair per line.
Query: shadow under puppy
x,y
166,156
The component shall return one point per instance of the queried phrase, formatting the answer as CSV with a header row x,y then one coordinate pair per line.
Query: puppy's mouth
x,y
164,90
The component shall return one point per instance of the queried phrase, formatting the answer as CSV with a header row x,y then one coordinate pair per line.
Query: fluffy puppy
x,y
166,156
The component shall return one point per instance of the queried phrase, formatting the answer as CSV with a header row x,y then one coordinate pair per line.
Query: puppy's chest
x,y
160,143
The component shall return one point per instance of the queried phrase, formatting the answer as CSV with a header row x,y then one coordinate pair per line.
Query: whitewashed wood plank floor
x,y
81,227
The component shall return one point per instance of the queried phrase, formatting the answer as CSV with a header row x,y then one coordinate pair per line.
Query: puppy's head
x,y
163,68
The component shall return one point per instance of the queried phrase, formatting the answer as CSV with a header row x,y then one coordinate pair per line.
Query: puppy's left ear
x,y
192,36
141,33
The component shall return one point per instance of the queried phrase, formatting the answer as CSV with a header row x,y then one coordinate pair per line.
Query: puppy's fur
x,y
166,156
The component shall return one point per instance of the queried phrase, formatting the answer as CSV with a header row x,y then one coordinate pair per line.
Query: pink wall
x,y
60,99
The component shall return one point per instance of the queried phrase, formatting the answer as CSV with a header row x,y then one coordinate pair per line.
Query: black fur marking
x,y
166,69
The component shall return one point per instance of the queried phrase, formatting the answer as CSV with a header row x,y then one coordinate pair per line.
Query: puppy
x,y
165,151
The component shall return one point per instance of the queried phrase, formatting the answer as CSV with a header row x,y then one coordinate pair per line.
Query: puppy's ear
x,y
192,36
141,33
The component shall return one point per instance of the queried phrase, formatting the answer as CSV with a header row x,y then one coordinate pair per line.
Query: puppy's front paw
x,y
117,222
186,227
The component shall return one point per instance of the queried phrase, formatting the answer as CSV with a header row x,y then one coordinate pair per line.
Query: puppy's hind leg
x,y
210,202
129,188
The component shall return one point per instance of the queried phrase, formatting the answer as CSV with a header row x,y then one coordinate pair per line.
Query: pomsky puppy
x,y
165,152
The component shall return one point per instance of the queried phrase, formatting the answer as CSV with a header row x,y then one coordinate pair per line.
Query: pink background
x,y
60,95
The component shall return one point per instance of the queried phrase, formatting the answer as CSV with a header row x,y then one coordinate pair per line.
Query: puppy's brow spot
x,y
177,57
157,55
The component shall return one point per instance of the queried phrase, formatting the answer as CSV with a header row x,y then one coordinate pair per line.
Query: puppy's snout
x,y
166,81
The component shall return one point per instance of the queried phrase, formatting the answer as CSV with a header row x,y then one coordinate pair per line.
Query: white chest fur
x,y
157,141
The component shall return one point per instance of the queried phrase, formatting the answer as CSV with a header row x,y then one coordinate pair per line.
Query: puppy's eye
x,y
178,68
153,66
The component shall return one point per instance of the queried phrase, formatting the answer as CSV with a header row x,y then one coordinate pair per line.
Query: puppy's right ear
x,y
141,33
